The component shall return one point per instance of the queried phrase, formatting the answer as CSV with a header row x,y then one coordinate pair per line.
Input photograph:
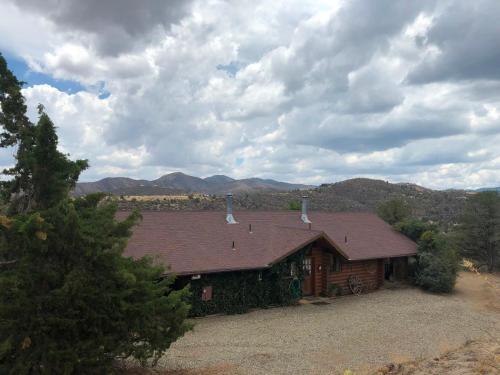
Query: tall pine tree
x,y
479,230
53,174
17,132
42,175
70,302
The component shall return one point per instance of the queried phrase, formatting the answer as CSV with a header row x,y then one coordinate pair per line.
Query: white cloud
x,y
301,91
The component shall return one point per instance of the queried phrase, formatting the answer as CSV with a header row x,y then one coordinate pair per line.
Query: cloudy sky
x,y
301,91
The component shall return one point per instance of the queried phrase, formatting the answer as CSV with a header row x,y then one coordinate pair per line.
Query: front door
x,y
388,270
307,269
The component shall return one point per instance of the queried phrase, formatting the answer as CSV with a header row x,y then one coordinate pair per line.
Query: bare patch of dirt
x,y
475,357
481,290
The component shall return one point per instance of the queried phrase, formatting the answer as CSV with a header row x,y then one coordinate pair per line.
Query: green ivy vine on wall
x,y
237,292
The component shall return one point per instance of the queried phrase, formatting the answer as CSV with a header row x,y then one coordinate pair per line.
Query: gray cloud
x,y
114,25
467,36
367,133
345,43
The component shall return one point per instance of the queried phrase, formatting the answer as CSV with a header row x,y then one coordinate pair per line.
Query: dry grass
x,y
219,369
481,290
475,357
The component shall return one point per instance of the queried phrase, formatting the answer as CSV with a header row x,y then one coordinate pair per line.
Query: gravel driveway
x,y
360,333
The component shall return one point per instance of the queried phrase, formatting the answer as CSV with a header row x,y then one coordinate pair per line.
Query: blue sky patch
x,y
31,78
232,68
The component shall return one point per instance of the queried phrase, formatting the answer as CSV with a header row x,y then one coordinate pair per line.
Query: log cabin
x,y
236,261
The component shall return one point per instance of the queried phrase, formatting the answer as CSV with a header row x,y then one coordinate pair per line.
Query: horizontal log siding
x,y
370,273
381,272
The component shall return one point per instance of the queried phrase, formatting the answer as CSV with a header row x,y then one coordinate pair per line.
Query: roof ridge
x,y
297,228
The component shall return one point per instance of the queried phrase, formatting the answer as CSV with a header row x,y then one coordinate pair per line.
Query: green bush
x,y
437,263
294,205
414,228
334,289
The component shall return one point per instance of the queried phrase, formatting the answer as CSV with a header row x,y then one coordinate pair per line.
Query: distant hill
x,y
175,183
219,179
359,194
488,189
363,194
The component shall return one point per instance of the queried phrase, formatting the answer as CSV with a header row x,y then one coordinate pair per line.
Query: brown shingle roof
x,y
201,242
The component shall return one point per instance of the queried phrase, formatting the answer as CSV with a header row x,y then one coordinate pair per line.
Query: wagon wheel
x,y
355,285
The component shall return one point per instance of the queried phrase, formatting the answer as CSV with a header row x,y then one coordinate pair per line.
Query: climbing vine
x,y
237,292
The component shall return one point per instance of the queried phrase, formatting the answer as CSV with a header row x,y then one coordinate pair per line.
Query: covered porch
x,y
326,270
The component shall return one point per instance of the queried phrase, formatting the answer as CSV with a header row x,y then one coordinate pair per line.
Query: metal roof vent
x,y
229,206
304,217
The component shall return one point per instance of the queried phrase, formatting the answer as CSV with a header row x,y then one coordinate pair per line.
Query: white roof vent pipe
x,y
304,217
229,206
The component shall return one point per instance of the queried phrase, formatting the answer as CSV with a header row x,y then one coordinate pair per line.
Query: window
x,y
206,293
307,266
335,263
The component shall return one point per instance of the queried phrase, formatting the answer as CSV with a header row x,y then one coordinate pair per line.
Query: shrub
x,y
414,228
334,290
294,205
437,263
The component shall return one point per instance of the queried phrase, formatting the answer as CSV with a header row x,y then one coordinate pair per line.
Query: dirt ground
x,y
392,331
475,357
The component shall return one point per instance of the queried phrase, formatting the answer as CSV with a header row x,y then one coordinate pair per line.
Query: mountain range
x,y
176,183
358,194
354,195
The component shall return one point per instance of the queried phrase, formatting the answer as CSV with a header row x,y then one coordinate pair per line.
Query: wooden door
x,y
307,269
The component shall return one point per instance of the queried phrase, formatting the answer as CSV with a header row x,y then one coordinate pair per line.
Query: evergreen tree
x,y
69,301
53,174
17,131
479,230
393,211
13,117
42,175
